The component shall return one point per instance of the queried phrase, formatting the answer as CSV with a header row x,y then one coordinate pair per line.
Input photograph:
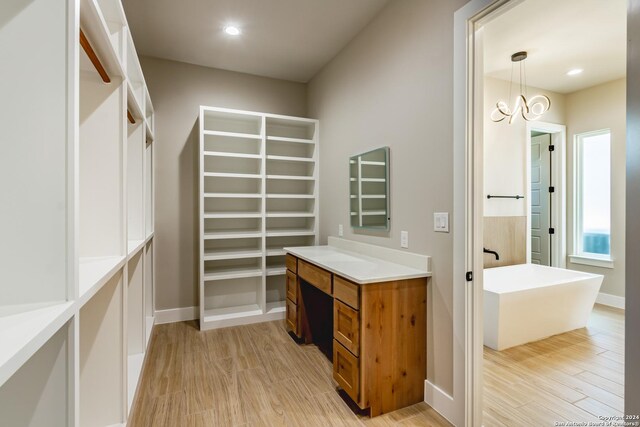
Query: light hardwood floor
x,y
576,376
256,375
253,375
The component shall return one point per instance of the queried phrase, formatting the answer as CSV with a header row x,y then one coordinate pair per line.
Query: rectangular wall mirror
x,y
369,189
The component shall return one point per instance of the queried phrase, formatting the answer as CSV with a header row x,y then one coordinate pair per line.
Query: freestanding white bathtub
x,y
528,302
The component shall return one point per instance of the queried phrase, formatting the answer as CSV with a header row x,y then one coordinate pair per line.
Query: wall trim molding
x,y
610,300
174,315
439,400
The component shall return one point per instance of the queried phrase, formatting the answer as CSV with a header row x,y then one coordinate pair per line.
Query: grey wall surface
x,y
177,90
632,321
392,86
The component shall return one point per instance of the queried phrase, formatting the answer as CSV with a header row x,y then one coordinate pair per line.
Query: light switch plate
x,y
340,230
404,239
441,222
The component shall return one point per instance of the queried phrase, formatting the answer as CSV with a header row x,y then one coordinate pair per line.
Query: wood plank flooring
x,y
576,376
255,375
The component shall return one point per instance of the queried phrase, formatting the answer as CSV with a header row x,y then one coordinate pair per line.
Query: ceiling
x,y
560,35
284,39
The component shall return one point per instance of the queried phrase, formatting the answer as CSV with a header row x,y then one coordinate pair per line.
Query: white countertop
x,y
358,268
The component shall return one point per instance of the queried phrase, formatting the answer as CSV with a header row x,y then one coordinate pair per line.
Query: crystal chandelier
x,y
530,109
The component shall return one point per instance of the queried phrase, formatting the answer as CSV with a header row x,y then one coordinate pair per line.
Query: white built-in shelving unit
x,y
258,194
77,251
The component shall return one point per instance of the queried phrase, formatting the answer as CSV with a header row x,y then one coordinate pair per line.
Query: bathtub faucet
x,y
487,251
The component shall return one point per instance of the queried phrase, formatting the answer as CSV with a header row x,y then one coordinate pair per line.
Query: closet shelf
x,y
373,180
374,196
23,333
276,252
290,159
232,175
232,234
233,155
134,246
290,215
291,177
94,272
217,314
134,369
133,103
233,195
232,134
283,139
231,273
369,163
365,213
276,307
276,271
290,233
210,255
290,196
94,25
223,215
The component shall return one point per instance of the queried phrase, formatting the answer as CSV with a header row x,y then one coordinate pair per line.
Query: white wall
x,y
505,168
596,108
177,90
392,86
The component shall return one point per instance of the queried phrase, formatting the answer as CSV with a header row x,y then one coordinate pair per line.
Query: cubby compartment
x,y
290,207
101,178
290,226
237,268
225,122
275,265
217,207
230,187
136,328
291,150
286,187
275,244
242,227
222,249
101,353
290,168
149,306
37,394
232,298
135,185
149,186
276,293
230,164
303,130
232,145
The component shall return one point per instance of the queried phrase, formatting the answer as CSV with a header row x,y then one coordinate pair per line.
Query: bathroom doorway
x,y
546,194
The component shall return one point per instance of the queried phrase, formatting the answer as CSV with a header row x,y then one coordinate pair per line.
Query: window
x,y
593,195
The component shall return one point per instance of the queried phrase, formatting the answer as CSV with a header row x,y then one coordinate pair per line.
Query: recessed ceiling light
x,y
574,72
232,30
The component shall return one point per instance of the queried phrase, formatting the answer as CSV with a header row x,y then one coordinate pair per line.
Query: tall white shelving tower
x,y
76,172
258,194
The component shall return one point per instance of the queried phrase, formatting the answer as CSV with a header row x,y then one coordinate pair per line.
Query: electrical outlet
x,y
404,239
340,230
441,222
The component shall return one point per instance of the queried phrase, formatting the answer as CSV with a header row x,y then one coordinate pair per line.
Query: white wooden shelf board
x,y
290,159
95,272
222,255
291,177
231,273
276,271
290,196
134,246
232,175
276,307
222,215
283,139
373,179
276,252
215,314
373,213
232,195
290,233
290,214
233,155
368,163
232,134
231,234
134,370
23,333
373,196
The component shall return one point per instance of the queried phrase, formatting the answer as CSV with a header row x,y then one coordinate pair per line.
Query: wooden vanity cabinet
x,y
379,335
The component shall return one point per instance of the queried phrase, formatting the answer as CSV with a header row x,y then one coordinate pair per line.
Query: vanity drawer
x,y
291,262
292,317
346,326
346,370
292,287
346,291
316,276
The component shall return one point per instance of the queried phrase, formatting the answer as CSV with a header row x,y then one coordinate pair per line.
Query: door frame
x,y
559,205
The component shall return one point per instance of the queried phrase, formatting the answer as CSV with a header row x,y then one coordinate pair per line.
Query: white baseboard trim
x,y
173,315
439,400
610,300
